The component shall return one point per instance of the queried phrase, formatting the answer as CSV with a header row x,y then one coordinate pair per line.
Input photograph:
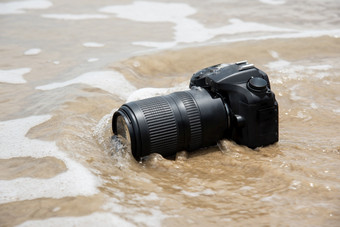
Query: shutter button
x,y
257,84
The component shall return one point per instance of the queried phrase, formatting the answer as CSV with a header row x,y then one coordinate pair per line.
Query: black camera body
x,y
252,107
232,101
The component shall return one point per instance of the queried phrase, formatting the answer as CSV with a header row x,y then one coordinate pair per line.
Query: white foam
x,y
103,219
293,93
14,76
279,64
320,67
247,188
148,216
287,35
145,11
337,111
92,59
149,92
273,2
33,51
77,180
314,106
187,30
110,81
56,209
271,198
207,192
21,6
151,197
75,16
153,220
274,54
295,184
296,71
158,45
93,44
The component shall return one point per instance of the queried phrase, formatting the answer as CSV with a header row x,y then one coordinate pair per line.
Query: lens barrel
x,y
185,120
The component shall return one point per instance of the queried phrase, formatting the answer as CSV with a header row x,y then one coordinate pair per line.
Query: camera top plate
x,y
217,76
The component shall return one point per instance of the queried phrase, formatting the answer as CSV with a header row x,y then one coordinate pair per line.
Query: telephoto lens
x,y
231,101
185,120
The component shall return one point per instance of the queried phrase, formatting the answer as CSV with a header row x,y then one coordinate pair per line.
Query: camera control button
x,y
257,83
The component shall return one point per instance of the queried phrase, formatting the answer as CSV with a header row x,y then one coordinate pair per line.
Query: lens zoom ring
x,y
161,123
194,119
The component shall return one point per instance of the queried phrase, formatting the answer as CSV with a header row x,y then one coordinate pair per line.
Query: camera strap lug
x,y
240,121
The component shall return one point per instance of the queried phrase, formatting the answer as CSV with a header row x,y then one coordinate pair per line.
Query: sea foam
x,y
77,180
14,76
149,92
151,11
75,16
92,59
295,71
21,6
33,51
102,219
110,81
273,2
93,44
187,30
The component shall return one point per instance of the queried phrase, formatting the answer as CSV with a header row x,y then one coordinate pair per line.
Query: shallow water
x,y
68,65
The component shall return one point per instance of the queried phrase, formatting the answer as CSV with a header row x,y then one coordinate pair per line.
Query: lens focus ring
x,y
161,124
164,131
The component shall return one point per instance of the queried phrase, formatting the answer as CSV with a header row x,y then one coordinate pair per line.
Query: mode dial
x,y
257,84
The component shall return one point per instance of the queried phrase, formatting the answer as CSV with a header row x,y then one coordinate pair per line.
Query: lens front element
x,y
123,130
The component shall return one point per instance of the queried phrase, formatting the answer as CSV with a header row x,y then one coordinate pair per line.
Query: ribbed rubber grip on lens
x,y
161,124
194,119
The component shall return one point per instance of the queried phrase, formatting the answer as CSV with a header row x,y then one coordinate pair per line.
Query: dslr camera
x,y
225,101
